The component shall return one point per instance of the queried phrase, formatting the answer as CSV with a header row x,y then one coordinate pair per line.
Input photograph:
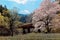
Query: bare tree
x,y
14,21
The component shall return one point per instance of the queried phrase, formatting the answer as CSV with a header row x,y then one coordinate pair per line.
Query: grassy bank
x,y
33,36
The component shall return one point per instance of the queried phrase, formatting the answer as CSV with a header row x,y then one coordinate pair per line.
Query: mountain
x,y
23,17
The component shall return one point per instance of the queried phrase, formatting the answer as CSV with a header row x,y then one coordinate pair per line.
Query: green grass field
x,y
33,36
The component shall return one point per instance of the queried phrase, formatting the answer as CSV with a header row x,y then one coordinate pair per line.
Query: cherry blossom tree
x,y
43,15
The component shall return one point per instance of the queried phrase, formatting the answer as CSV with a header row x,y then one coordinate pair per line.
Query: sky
x,y
23,6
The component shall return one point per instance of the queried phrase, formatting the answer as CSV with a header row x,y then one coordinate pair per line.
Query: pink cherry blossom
x,y
46,8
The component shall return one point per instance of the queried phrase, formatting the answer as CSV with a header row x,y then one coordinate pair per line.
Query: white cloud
x,y
33,0
22,1
19,1
25,12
